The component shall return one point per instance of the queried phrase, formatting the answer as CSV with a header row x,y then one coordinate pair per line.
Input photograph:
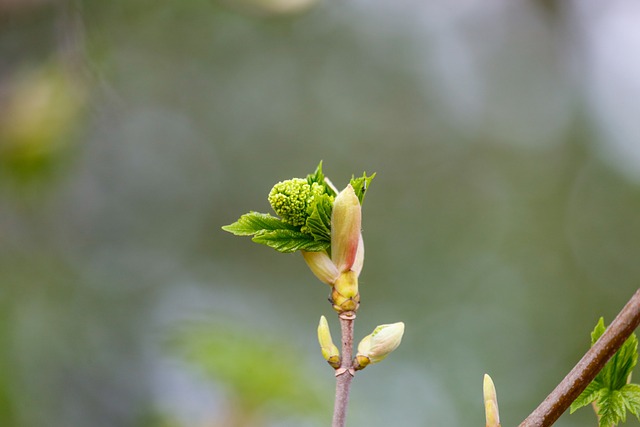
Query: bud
x,y
346,219
322,266
376,346
291,198
490,402
359,261
345,296
329,350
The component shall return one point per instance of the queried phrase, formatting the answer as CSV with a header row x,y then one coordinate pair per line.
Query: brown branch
x,y
588,367
344,374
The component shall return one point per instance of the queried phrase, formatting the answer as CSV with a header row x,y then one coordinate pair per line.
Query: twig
x,y
344,374
588,367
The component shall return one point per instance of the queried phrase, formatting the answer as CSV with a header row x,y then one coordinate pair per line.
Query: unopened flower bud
x,y
376,346
490,402
291,198
329,350
346,219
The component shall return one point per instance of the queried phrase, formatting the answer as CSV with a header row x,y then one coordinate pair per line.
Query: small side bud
x,y
375,347
329,350
490,402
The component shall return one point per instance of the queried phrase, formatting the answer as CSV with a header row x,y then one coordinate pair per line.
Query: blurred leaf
x,y
42,109
260,372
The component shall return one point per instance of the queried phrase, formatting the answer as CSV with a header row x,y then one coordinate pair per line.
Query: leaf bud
x,y
490,402
376,346
329,350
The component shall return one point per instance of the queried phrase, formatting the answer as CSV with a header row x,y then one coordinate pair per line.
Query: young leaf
x,y
612,408
256,222
319,222
318,177
589,395
597,331
623,362
631,396
289,241
361,185
609,389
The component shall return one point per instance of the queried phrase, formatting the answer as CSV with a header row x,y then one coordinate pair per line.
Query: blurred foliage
x,y
37,123
258,372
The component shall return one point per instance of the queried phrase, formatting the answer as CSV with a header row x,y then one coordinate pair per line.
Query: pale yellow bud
x,y
329,350
322,266
490,402
376,346
345,296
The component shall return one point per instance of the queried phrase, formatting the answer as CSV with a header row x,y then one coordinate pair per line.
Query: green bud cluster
x,y
292,198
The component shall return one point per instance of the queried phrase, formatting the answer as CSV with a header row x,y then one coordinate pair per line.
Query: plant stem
x,y
588,367
344,374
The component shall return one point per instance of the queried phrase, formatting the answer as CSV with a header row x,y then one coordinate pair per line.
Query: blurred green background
x,y
503,221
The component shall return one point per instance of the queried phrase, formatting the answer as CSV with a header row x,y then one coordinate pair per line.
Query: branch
x,y
344,374
588,367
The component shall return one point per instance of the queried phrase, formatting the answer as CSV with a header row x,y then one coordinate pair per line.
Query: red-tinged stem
x,y
344,374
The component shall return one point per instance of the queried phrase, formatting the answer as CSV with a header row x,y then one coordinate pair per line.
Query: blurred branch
x,y
588,367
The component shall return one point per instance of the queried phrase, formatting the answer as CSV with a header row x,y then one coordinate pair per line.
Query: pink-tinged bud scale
x,y
346,219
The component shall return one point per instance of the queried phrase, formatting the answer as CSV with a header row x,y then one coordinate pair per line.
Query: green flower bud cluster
x,y
292,198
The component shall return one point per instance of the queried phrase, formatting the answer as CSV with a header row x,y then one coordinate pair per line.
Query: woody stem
x,y
344,374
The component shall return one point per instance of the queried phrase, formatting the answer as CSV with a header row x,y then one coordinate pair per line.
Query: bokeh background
x,y
503,221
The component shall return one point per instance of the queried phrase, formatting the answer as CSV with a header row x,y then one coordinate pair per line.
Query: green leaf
x,y
616,372
319,222
623,362
611,408
289,241
361,185
597,331
254,366
588,395
255,222
609,389
318,177
631,396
